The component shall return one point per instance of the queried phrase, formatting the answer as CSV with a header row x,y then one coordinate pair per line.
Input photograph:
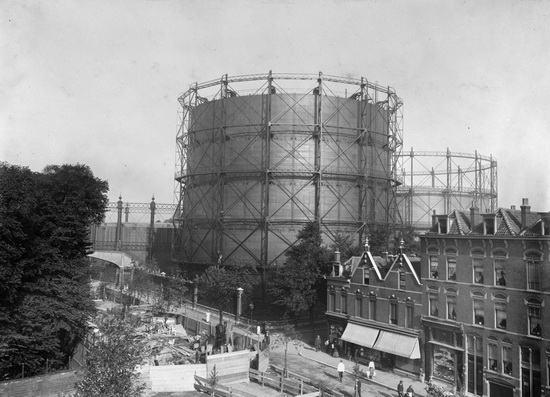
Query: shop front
x,y
387,349
445,357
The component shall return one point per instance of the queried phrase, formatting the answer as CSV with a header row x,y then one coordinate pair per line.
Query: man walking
x,y
341,368
400,389
318,343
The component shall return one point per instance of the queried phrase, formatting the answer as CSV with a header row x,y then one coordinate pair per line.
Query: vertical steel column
x,y
118,234
494,185
477,182
362,160
448,192
151,236
267,173
411,197
318,137
217,252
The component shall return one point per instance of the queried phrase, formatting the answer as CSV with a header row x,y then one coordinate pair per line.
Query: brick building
x,y
374,308
486,302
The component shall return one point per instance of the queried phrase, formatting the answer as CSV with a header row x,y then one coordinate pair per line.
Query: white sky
x,y
96,82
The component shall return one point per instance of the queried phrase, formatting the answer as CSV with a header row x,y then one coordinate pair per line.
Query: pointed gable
x,y
375,263
407,264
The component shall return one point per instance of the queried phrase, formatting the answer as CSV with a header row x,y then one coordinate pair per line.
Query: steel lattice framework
x,y
443,182
260,155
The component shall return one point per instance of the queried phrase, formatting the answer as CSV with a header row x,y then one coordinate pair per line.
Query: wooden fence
x,y
203,385
290,386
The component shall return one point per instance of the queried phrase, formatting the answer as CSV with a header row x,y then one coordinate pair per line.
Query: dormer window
x,y
443,226
489,225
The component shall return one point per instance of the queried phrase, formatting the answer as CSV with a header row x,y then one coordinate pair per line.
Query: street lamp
x,y
239,297
251,314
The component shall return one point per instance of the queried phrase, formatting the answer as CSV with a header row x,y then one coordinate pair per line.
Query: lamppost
x,y
239,298
251,314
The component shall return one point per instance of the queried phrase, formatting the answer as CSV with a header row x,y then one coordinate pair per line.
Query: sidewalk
x,y
383,378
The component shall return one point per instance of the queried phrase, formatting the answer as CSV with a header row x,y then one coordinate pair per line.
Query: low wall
x,y
52,385
230,367
174,378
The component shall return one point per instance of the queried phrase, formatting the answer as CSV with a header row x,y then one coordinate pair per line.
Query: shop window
x,y
534,316
393,312
433,302
477,264
451,268
492,357
500,272
507,359
434,262
533,272
444,363
479,312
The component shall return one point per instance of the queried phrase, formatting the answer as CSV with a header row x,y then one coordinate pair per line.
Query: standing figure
x,y
341,368
400,389
410,391
317,343
371,369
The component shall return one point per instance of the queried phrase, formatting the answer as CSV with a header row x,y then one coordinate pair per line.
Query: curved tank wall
x,y
440,182
258,167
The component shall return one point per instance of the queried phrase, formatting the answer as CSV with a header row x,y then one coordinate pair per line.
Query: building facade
x,y
486,302
374,308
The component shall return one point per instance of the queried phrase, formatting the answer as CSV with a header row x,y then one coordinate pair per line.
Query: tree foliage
x,y
44,275
344,244
111,364
218,285
296,284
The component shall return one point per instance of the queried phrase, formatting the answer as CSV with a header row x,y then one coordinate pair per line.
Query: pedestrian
x,y
400,389
410,391
341,368
357,387
371,369
317,343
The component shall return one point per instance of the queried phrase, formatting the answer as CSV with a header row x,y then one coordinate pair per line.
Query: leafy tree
x,y
44,274
344,244
111,364
379,241
218,284
411,243
299,284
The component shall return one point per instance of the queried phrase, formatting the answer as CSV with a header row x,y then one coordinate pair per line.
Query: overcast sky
x,y
97,82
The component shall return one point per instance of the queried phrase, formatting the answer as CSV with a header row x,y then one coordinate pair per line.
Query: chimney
x,y
525,209
474,217
545,220
337,269
513,207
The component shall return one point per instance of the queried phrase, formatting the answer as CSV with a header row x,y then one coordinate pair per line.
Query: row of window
x,y
501,360
479,313
393,313
532,269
